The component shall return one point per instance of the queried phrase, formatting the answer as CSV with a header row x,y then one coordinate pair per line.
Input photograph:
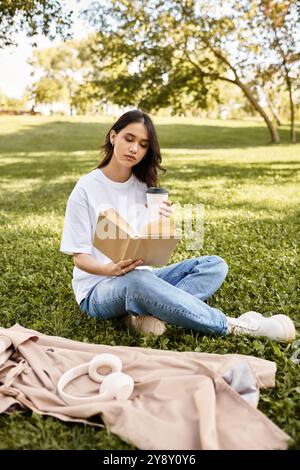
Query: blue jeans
x,y
174,294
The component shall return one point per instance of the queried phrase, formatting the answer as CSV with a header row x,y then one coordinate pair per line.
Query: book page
x,y
159,228
113,217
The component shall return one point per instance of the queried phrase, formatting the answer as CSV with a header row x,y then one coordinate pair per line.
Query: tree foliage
x,y
59,76
151,53
58,70
49,17
47,91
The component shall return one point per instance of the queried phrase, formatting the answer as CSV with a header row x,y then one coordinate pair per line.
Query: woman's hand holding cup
x,y
165,209
158,202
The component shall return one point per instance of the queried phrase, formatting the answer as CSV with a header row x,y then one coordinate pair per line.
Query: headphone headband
x,y
114,384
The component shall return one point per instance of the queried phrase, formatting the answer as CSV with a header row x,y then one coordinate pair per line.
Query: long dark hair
x,y
147,169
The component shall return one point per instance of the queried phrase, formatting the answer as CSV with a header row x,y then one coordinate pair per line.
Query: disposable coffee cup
x,y
155,196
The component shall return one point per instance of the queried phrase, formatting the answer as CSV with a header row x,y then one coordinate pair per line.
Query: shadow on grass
x,y
73,136
51,189
239,172
48,167
55,166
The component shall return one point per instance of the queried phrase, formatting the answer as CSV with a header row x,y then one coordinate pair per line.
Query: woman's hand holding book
x,y
122,267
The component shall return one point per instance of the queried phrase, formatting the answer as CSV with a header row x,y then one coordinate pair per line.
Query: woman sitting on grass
x,y
148,298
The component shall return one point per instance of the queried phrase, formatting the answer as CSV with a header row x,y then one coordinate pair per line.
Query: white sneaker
x,y
277,328
146,324
251,314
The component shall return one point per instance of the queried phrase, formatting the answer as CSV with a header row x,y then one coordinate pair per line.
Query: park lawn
x,y
250,192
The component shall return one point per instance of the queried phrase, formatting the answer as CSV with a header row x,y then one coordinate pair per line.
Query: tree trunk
x,y
289,86
292,109
272,109
272,129
236,81
275,115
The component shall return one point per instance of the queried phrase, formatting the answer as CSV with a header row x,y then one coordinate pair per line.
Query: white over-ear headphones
x,y
116,384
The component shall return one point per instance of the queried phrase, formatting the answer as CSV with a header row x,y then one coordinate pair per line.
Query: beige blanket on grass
x,y
180,399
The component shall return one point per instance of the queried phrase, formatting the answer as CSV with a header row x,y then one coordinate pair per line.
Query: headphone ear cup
x,y
116,385
111,361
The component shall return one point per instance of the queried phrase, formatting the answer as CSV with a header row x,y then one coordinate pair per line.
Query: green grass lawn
x,y
250,191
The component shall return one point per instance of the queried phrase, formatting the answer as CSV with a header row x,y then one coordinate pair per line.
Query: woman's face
x,y
130,144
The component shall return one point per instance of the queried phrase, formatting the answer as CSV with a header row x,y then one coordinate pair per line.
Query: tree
x,y
152,76
47,91
84,101
48,17
151,53
59,68
283,19
12,105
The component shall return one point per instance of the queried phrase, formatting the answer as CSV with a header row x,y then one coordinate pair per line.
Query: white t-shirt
x,y
95,192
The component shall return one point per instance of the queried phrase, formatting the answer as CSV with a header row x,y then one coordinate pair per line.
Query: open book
x,y
117,240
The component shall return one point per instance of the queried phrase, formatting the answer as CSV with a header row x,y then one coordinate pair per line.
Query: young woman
x,y
173,294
